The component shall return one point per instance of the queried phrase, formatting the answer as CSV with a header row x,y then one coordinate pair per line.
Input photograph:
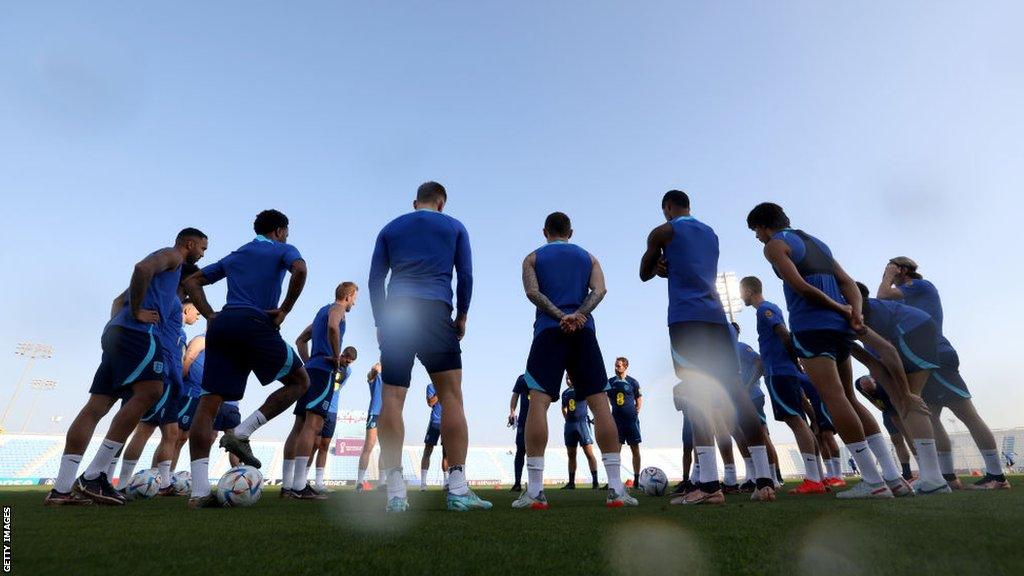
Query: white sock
x,y
250,424
445,477
68,470
100,462
695,472
457,483
320,478
111,468
748,469
762,467
830,469
396,483
865,461
992,464
164,468
946,463
880,448
928,460
708,459
730,475
382,478
811,471
837,465
423,477
534,475
299,478
361,476
200,477
127,469
613,468
287,472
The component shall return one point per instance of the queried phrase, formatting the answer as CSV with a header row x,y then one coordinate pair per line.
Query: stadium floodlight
x,y
40,385
32,351
728,287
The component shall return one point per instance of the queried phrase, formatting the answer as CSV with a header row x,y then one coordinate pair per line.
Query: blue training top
x,y
890,319
420,249
773,352
748,367
194,379
524,400
435,410
575,412
321,352
921,294
254,272
161,295
338,384
692,258
563,275
375,386
623,394
814,261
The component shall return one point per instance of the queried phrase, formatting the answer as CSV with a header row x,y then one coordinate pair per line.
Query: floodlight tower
x,y
40,385
728,288
32,351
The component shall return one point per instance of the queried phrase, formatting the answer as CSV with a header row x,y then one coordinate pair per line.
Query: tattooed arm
x,y
532,288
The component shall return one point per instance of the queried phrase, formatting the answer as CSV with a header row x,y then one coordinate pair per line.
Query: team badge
x,y
768,314
158,367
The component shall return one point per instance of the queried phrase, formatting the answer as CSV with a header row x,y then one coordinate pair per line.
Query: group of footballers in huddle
x,y
913,369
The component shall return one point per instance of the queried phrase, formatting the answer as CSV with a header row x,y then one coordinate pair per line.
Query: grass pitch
x,y
964,533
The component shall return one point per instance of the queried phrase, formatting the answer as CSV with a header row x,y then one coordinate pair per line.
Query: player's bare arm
x,y
512,409
532,287
886,289
598,290
848,287
652,262
302,343
194,287
777,253
118,303
157,262
335,316
295,285
195,347
783,334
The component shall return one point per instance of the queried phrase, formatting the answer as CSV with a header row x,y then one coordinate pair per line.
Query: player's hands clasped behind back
x,y
572,322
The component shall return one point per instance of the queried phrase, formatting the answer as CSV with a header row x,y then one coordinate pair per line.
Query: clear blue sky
x,y
887,129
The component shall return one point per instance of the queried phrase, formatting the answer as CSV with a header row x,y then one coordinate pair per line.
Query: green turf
x,y
964,533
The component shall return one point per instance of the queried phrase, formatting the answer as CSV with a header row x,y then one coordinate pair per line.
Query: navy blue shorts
x,y
413,328
320,394
371,421
629,430
228,417
186,412
129,356
945,386
577,434
330,422
433,435
834,344
784,390
521,438
240,341
918,348
553,353
889,421
708,349
821,414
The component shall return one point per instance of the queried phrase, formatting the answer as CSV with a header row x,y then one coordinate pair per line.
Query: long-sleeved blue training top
x,y
420,249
